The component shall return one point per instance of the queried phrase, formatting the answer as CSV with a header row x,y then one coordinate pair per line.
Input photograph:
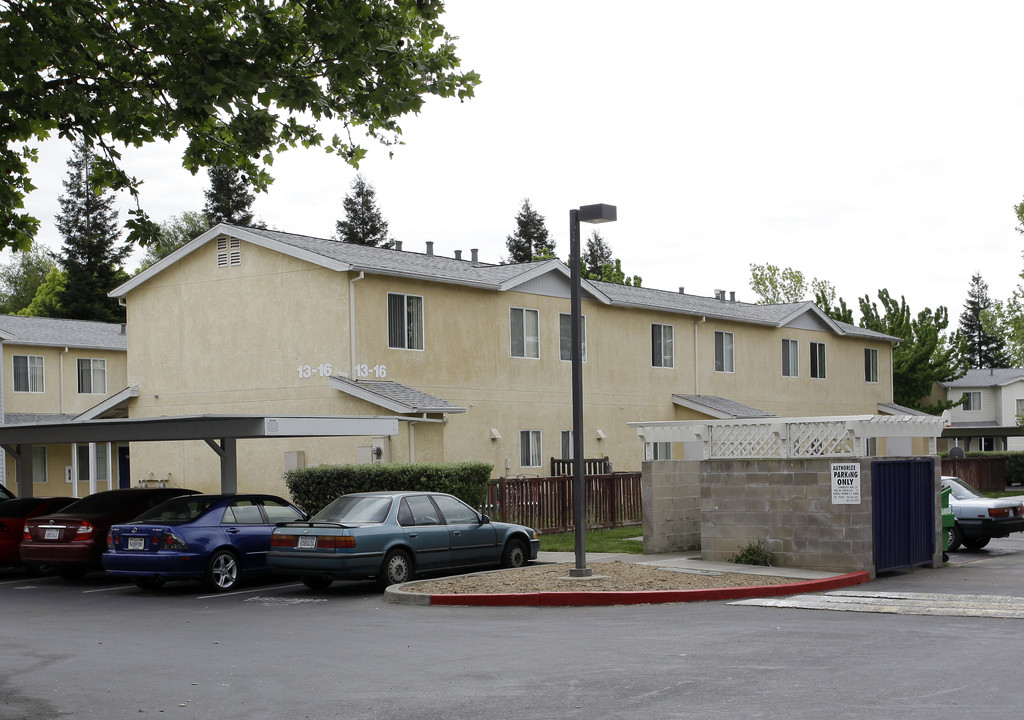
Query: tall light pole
x,y
594,214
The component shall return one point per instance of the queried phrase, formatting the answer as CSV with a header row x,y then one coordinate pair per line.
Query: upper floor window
x,y
870,365
790,358
1020,407
92,376
724,352
565,336
817,360
972,401
661,346
529,448
525,326
405,321
28,373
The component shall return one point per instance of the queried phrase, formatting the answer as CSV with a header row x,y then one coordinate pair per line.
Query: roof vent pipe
x,y
719,294
682,290
458,254
398,245
732,296
475,255
430,248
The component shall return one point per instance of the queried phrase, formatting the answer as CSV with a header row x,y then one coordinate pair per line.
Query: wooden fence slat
x,y
546,504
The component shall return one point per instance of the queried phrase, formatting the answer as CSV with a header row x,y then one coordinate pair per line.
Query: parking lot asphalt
x,y
804,581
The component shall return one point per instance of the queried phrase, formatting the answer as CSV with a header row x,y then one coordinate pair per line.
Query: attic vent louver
x,y
229,252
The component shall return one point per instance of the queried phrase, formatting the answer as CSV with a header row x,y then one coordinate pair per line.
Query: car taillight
x,y
26,534
110,541
335,542
85,531
285,541
999,512
170,541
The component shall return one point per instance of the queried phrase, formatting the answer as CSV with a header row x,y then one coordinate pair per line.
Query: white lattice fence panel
x,y
820,439
745,441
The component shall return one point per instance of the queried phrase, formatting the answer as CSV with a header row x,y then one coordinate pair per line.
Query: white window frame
x,y
97,368
662,345
818,360
725,351
34,373
39,472
1020,407
528,342
565,336
790,358
969,405
567,445
870,365
410,336
530,448
659,451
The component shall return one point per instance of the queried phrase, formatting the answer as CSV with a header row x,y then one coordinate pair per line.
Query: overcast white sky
x,y
870,144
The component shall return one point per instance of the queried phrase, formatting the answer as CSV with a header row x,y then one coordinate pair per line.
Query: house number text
x,y
327,370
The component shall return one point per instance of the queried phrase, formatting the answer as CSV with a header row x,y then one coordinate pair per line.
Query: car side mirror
x,y
484,519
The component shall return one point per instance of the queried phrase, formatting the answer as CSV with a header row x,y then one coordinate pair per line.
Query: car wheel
x,y
515,554
70,572
955,539
975,544
317,582
222,572
37,569
148,582
396,568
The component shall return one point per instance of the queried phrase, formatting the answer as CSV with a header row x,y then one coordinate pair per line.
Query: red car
x,y
14,513
73,540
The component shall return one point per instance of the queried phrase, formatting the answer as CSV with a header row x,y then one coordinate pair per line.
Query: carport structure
x,y
220,432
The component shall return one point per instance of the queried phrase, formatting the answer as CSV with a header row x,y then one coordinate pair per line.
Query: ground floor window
x,y
529,448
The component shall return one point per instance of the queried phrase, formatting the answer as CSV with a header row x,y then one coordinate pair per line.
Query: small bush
x,y
755,553
313,488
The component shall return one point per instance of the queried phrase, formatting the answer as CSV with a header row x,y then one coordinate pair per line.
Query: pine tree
x,y
596,255
228,199
92,255
363,223
530,241
984,349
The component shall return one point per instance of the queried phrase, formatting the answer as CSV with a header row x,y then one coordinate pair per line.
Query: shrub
x,y
313,488
755,553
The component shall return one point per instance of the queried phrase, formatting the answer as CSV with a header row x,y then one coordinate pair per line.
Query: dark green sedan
x,y
394,536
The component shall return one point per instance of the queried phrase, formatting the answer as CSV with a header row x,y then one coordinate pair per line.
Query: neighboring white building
x,y
987,419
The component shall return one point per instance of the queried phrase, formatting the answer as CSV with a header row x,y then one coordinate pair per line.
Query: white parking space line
x,y
949,605
247,592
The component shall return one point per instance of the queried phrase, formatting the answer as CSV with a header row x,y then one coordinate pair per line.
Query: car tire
x,y
148,582
956,539
396,569
37,569
975,544
223,571
70,572
317,582
515,554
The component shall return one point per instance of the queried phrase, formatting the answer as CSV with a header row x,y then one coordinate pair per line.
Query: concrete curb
x,y
399,594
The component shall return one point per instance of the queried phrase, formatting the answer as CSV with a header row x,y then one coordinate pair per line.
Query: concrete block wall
x,y
787,504
670,500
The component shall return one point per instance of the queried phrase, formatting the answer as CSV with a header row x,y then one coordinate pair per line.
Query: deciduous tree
x,y
22,275
241,80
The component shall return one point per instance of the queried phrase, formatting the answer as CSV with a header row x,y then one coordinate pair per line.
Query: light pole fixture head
x,y
596,214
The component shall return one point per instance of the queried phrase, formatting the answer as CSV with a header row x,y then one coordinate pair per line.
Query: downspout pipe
x,y
352,324
696,356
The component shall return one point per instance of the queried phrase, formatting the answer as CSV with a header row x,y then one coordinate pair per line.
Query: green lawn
x,y
614,540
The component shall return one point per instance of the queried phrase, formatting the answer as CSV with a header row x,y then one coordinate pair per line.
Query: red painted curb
x,y
649,597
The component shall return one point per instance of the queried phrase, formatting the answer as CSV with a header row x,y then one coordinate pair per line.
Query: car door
x,y
248,532
472,542
425,532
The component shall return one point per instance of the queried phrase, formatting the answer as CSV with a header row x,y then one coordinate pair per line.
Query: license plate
x,y
307,542
51,534
136,543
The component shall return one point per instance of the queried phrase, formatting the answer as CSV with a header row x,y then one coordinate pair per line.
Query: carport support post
x,y
22,455
227,450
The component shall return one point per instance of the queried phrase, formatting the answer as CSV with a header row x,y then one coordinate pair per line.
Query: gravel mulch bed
x,y
607,576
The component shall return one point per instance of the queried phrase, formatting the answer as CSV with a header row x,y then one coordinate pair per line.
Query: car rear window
x,y
19,508
179,509
355,509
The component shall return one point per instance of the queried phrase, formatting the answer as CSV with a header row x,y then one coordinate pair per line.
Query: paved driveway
x,y
104,649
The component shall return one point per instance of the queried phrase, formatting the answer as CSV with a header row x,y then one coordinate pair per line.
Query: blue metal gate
x,y
903,510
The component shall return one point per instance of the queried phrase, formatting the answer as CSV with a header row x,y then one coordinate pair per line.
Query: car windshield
x,y
355,509
960,490
178,510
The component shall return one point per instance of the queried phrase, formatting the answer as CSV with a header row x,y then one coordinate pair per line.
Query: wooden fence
x,y
985,474
546,504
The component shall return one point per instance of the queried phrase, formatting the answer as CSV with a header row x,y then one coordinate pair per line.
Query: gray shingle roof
x,y
394,396
53,332
986,378
720,407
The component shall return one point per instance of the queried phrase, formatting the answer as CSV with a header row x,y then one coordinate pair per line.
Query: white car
x,y
978,519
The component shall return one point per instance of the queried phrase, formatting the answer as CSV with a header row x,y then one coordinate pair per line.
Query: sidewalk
x,y
804,581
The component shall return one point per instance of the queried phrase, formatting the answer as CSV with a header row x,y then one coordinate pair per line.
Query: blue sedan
x,y
393,536
212,538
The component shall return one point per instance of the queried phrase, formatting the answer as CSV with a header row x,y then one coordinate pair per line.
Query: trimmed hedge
x,y
313,488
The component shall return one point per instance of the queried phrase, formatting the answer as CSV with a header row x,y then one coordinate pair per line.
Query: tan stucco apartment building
x,y
473,357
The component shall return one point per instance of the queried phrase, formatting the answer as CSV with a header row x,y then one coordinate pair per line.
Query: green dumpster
x,y
947,519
